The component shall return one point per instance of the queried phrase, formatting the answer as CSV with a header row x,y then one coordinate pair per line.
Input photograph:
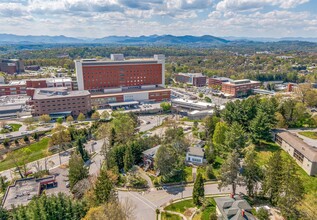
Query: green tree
x,y
235,137
291,190
198,191
104,190
81,117
219,137
251,172
166,106
105,114
82,151
262,214
210,123
77,171
3,184
261,127
273,177
201,95
60,120
230,172
209,154
128,159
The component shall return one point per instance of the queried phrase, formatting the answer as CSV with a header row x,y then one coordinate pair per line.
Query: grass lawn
x,y
168,216
266,150
15,127
309,134
188,174
38,151
180,206
217,165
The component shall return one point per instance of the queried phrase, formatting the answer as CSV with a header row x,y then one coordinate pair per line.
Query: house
x,y
195,155
233,208
304,154
149,156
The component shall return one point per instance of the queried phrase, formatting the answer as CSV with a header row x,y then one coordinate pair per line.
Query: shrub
x,y
26,139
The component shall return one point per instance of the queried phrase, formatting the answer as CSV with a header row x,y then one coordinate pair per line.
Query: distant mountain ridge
x,y
141,40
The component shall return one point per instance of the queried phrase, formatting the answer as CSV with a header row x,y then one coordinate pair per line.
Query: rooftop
x,y
234,208
130,91
57,92
310,152
152,151
191,74
196,151
240,82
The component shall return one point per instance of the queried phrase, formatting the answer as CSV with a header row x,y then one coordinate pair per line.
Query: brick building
x,y
29,85
217,81
55,100
239,88
120,80
194,79
11,66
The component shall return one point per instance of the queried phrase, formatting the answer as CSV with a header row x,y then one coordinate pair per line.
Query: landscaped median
x,y
186,209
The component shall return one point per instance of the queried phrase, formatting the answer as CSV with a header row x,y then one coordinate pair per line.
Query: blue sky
x,y
99,18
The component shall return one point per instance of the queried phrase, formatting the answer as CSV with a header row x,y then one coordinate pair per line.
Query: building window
x,y
298,155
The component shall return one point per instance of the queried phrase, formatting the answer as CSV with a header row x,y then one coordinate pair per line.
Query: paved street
x,y
149,122
147,202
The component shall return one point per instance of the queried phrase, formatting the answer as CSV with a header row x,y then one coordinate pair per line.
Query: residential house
x,y
195,155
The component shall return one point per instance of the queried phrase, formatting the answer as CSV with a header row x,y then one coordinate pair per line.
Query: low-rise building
x,y
11,66
304,154
149,156
194,79
233,208
191,104
216,82
195,155
239,88
56,100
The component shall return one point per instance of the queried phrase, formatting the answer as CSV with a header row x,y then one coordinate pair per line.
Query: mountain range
x,y
141,40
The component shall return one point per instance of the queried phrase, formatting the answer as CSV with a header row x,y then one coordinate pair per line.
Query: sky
x,y
100,18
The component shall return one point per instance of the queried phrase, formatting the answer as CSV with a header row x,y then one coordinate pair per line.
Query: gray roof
x,y
152,151
57,92
232,208
308,151
196,151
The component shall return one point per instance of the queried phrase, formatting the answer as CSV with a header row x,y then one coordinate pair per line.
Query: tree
x,y
105,114
262,214
124,125
290,191
45,118
209,154
3,184
104,190
70,119
82,151
60,120
261,127
230,172
207,99
251,172
81,117
210,123
19,159
61,137
77,171
166,106
219,137
273,177
198,191
95,115
235,137
128,159
29,121
201,95
167,161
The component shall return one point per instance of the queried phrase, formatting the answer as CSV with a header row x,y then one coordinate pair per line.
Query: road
x,y
149,122
147,202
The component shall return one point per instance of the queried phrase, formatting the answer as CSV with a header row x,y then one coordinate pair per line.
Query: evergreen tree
x,y
104,190
290,191
128,159
273,177
198,191
219,136
260,127
235,137
77,171
112,140
230,171
251,172
82,151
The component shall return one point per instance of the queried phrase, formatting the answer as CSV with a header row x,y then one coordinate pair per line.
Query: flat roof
x,y
123,103
240,82
193,102
57,92
129,91
119,62
310,152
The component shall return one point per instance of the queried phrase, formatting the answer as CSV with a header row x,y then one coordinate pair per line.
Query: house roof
x,y
232,208
196,151
152,151
310,152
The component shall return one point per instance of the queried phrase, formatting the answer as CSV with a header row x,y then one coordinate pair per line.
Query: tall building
x,y
11,66
195,79
60,101
120,80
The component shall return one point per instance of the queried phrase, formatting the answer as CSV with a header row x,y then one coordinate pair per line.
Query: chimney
x,y
242,212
